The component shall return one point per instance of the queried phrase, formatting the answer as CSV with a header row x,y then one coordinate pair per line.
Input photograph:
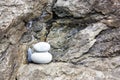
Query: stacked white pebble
x,y
41,54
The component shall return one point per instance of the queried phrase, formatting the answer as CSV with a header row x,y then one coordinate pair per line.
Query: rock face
x,y
13,18
78,43
110,42
12,12
83,41
84,36
76,8
58,71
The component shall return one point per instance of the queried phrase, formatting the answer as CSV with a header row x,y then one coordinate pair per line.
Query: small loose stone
x,y
29,53
42,57
42,46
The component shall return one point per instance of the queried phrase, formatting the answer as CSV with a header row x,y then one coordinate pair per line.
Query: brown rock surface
x,y
13,15
58,71
13,12
84,37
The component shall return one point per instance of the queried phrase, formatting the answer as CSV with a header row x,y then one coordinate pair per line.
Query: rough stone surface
x,y
58,71
13,17
13,11
81,8
110,42
10,61
74,45
107,6
66,71
84,36
76,8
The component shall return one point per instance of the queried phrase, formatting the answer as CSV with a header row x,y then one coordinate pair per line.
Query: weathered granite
x,y
76,8
58,71
69,47
14,12
84,36
13,17
107,44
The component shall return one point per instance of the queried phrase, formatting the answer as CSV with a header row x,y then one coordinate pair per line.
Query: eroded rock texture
x,y
84,36
71,43
76,8
58,71
13,16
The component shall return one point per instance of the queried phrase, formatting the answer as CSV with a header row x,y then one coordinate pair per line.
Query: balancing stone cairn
x,y
39,53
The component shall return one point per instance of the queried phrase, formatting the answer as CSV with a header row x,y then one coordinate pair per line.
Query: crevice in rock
x,y
79,21
87,19
54,1
3,54
48,31
13,68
